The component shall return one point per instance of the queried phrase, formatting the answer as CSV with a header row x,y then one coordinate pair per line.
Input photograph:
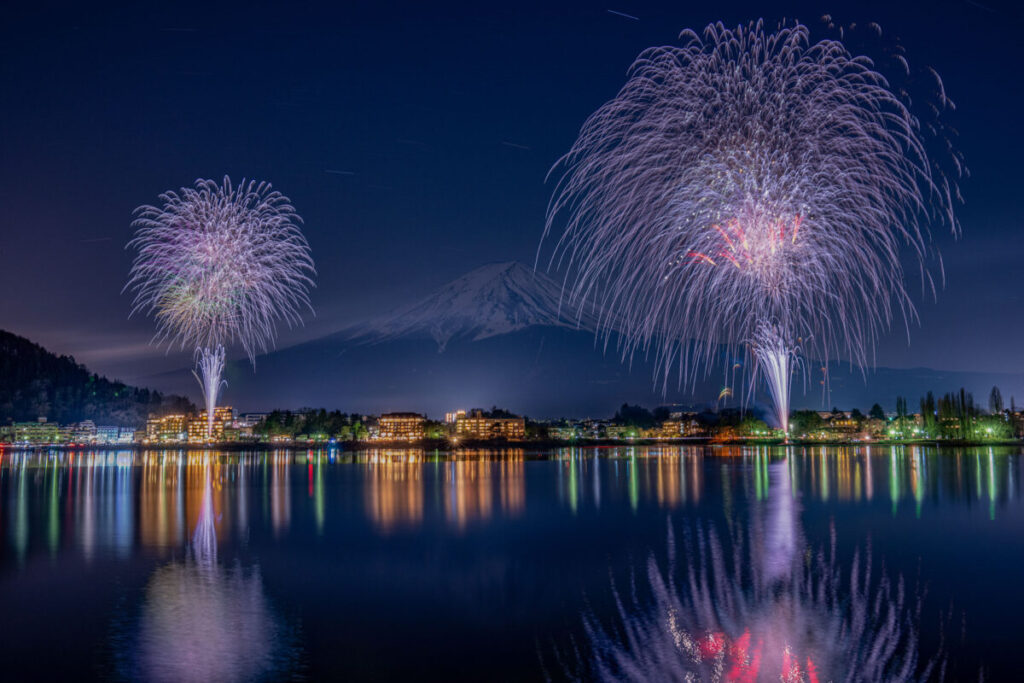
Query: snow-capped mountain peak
x,y
494,299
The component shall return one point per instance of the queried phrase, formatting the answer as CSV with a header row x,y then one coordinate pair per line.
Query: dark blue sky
x,y
414,139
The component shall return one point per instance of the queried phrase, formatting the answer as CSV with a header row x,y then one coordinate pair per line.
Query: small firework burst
x,y
219,264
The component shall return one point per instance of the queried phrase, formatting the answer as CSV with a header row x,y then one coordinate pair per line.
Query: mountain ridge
x,y
496,298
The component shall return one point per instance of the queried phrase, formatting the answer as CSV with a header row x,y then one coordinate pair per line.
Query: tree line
x,y
954,415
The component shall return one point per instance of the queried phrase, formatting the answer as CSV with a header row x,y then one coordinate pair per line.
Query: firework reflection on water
x,y
204,622
759,606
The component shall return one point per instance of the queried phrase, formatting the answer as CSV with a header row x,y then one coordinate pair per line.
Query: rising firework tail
x,y
211,369
746,184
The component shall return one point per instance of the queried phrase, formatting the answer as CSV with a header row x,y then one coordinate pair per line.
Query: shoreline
x,y
444,445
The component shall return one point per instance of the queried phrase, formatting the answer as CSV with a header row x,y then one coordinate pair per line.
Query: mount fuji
x,y
495,299
502,335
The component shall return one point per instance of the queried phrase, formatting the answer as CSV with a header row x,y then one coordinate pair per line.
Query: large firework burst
x,y
749,188
219,264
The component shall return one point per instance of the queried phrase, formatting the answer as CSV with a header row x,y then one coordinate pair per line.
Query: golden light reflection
x,y
512,484
671,491
161,505
394,489
468,491
469,487
280,491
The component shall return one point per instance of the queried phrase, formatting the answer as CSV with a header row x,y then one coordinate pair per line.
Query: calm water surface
x,y
717,562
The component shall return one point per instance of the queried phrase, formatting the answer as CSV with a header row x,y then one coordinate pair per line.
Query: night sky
x,y
414,139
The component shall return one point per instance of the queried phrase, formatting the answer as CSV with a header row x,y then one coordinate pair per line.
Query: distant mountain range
x,y
37,383
502,335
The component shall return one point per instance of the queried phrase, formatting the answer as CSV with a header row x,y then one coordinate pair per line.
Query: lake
x,y
718,563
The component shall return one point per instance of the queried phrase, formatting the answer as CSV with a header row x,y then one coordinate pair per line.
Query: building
x,y
39,431
593,429
400,427
479,427
249,420
82,432
671,429
841,425
451,418
169,428
565,432
223,418
619,432
106,434
240,432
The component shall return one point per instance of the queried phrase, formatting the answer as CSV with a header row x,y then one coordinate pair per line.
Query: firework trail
x,y
216,265
752,189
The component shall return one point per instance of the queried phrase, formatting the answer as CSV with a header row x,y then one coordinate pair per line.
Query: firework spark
x,y
749,182
219,264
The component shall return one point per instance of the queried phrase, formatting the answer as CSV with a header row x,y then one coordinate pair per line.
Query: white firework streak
x,y
219,264
211,367
744,182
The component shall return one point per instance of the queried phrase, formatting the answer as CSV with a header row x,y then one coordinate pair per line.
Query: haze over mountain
x,y
501,335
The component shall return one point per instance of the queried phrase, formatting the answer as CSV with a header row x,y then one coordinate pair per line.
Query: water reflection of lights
x,y
669,476
201,622
394,492
760,607
279,464
470,487
109,502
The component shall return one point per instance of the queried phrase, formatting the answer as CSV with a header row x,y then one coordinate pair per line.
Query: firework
x,y
752,189
217,265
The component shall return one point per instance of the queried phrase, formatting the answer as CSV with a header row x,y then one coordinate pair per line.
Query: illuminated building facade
x,y
842,424
40,431
452,417
107,434
478,427
400,427
671,429
223,418
169,428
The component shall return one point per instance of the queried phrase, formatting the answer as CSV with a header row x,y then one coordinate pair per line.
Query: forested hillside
x,y
35,382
